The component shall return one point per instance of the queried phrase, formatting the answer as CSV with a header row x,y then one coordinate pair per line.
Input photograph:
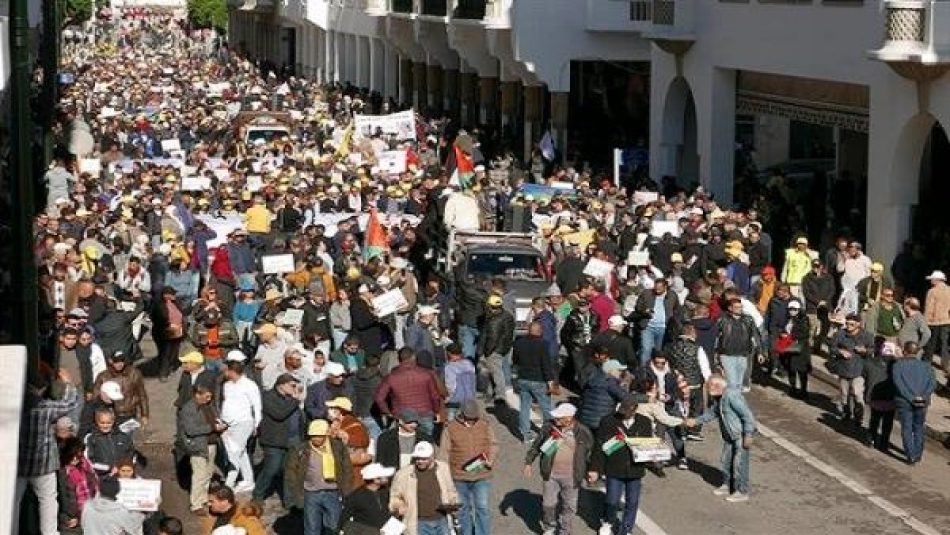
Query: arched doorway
x,y
678,141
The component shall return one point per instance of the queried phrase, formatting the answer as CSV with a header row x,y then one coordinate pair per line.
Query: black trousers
x,y
879,428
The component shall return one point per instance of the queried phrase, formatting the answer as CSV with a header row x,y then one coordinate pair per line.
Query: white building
x,y
854,88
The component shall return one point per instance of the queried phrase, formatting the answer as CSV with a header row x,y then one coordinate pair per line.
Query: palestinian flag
x,y
479,463
460,165
615,443
376,240
550,446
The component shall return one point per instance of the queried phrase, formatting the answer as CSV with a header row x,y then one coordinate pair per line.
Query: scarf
x,y
329,462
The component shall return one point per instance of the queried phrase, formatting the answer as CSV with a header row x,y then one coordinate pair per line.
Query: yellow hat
x,y
494,300
318,428
245,195
877,266
341,403
168,235
192,357
91,252
267,328
353,273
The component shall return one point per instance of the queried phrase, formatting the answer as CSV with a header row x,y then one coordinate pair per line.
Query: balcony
x,y
671,25
377,8
434,8
469,9
401,6
916,38
619,15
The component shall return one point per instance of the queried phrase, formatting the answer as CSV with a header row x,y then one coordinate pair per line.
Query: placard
x,y
93,166
598,268
293,317
223,175
140,494
195,183
277,263
638,258
645,197
389,303
169,145
392,162
660,228
402,125
254,183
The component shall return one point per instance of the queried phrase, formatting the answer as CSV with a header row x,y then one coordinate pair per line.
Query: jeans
x,y
467,338
940,337
559,491
734,368
475,514
167,356
201,471
492,367
735,466
912,429
528,391
321,512
630,489
849,387
234,440
271,474
433,527
372,427
651,337
338,337
44,487
427,425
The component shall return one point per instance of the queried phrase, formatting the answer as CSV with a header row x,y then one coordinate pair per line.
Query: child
x,y
77,484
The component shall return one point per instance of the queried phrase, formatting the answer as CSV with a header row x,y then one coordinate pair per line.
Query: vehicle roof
x,y
502,248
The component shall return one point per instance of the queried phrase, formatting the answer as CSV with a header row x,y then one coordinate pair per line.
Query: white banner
x,y
389,303
169,145
224,224
277,263
195,183
93,166
598,268
140,494
401,124
392,162
659,228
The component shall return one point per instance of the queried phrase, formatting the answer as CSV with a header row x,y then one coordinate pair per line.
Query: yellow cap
x,y
192,357
494,301
318,428
91,252
877,266
342,403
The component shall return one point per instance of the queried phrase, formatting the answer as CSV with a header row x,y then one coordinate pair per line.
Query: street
x,y
807,477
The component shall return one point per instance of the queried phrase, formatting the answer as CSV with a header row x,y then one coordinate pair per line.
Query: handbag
x,y
786,343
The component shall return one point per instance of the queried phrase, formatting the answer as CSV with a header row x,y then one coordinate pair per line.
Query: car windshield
x,y
267,135
509,265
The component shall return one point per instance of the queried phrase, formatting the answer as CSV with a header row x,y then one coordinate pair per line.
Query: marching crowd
x,y
362,419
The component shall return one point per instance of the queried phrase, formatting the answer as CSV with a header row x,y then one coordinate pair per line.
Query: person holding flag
x,y
376,241
564,446
613,457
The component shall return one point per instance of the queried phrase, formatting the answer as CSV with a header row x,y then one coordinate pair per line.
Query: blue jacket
x,y
735,418
241,258
913,378
600,397
548,322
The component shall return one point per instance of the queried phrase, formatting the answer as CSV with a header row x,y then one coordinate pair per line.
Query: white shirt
x,y
242,402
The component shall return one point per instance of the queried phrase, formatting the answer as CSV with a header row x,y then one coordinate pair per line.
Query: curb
x,y
823,375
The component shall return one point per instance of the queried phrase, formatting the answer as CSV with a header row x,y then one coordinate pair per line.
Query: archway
x,y
678,137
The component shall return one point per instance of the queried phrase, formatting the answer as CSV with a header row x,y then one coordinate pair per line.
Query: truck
x,y
265,125
513,257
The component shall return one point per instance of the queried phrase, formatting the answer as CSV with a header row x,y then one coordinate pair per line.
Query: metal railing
x,y
664,12
641,10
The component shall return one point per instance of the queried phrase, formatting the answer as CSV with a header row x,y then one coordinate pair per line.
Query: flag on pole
x,y
547,146
462,166
343,150
553,442
376,240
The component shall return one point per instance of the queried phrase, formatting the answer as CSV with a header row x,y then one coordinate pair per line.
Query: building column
x,y
559,107
337,56
716,143
377,65
390,71
406,70
467,103
418,85
450,92
487,99
532,117
509,102
434,87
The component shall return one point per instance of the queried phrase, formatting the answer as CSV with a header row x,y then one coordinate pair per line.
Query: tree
x,y
77,11
208,13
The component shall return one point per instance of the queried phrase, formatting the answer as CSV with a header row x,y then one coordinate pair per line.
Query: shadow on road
x,y
526,506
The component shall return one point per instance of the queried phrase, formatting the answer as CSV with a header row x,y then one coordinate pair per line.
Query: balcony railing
x,y
641,10
619,15
434,8
400,6
664,12
469,9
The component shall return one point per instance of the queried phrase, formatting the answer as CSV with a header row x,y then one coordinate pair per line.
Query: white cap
x,y
564,410
376,471
616,321
425,310
937,275
795,303
423,450
383,280
399,263
696,210
112,390
362,289
235,355
334,368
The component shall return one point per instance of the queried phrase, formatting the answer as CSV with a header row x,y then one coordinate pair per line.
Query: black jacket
x,y
818,288
620,347
387,446
497,334
316,320
194,431
107,449
114,333
737,336
532,359
365,511
570,274
281,418
469,304
367,327
683,355
578,330
643,310
619,464
206,378
583,447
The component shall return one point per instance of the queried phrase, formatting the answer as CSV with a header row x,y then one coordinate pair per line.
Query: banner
x,y
93,166
402,125
195,183
224,224
140,494
392,162
277,263
389,303
659,228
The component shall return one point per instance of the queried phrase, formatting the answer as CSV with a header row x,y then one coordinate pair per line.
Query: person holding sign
x,y
614,458
564,446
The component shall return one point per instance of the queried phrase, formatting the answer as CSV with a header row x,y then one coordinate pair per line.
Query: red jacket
x,y
409,386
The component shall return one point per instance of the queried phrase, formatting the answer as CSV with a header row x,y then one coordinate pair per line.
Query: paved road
x,y
808,476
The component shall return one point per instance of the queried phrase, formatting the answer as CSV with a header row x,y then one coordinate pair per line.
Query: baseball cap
x,y
334,368
801,240
494,301
112,390
795,303
235,355
564,410
423,450
376,471
612,365
616,321
267,328
937,275
340,403
676,257
318,428
877,266
78,313
192,357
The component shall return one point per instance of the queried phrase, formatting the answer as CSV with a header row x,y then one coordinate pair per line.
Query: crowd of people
x,y
361,418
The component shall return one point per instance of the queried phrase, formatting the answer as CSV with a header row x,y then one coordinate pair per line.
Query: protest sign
x,y
93,166
254,183
140,494
222,226
598,268
402,125
392,162
389,303
660,228
293,317
169,145
277,263
645,197
223,175
195,183
638,258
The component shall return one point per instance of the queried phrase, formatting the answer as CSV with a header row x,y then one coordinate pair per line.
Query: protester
x,y
422,494
104,514
537,376
241,412
409,386
470,448
224,510
317,476
914,384
280,430
198,434
366,509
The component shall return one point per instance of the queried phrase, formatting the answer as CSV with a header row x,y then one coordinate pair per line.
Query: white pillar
x,y
716,141
337,56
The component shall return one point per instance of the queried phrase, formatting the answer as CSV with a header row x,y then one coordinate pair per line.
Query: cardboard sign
x,y
169,145
195,183
223,175
277,263
140,494
638,258
598,268
392,162
660,228
645,197
293,317
389,303
93,166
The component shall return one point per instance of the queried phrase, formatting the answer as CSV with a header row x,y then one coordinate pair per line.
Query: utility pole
x,y
26,307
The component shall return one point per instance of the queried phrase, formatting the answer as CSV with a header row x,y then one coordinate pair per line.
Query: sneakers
x,y
548,531
683,464
244,486
694,437
721,491
737,497
605,529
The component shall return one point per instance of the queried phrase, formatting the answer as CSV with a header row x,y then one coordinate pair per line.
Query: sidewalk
x,y
938,416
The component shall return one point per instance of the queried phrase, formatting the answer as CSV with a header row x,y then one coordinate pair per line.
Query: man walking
x,y
914,383
317,476
281,430
565,447
241,412
470,448
937,312
537,377
738,341
423,493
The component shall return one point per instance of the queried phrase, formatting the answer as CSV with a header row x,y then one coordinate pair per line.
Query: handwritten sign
x,y
140,494
254,183
645,197
392,162
660,228
169,145
93,166
638,258
277,263
293,317
598,268
389,303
